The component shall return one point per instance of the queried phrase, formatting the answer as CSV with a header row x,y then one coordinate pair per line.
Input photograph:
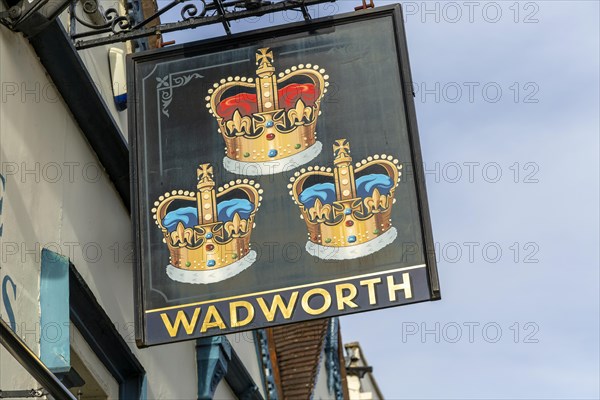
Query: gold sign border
x,y
283,289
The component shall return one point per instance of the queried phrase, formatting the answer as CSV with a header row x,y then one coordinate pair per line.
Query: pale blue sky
x,y
544,57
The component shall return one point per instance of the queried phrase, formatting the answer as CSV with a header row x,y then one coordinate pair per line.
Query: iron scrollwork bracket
x,y
114,26
22,394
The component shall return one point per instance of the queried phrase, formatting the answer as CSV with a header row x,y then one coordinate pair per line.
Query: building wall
x,y
360,386
96,61
321,387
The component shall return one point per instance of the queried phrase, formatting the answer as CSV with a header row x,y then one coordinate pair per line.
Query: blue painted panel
x,y
2,190
262,347
144,389
54,305
212,356
332,360
7,302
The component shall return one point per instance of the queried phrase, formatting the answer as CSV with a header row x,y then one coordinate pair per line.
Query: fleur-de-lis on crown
x,y
319,211
236,226
376,201
299,112
182,236
239,125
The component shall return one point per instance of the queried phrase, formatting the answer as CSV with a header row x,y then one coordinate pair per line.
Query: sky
x,y
507,97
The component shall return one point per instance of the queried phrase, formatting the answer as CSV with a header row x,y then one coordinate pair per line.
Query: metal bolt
x,y
14,12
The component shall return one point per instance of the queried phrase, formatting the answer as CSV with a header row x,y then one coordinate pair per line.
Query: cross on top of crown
x,y
264,56
341,148
205,172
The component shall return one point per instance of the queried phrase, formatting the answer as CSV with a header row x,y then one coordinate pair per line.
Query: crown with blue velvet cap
x,y
347,208
208,229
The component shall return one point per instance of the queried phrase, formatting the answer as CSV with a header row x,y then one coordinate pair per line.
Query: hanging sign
x,y
277,178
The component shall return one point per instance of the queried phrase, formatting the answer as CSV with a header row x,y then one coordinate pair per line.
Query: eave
x,y
73,81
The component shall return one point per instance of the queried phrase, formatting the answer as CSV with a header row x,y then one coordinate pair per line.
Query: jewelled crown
x,y
208,229
347,206
270,117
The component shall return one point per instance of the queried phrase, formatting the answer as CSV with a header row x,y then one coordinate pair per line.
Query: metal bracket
x,y
10,14
359,371
22,394
31,16
112,26
305,12
23,354
365,5
194,13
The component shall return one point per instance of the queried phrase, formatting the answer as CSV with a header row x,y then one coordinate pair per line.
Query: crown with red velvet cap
x,y
269,122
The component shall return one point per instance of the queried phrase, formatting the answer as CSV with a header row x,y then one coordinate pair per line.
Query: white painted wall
x,y
364,388
321,391
96,61
243,343
79,216
99,373
223,392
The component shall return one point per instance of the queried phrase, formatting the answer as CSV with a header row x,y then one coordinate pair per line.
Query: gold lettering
x,y
212,314
286,310
345,300
181,319
370,284
405,285
233,307
326,301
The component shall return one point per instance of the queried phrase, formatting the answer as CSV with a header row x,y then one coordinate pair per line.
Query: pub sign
x,y
277,178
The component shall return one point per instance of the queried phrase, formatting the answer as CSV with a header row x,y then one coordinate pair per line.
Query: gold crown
x,y
210,234
341,210
261,122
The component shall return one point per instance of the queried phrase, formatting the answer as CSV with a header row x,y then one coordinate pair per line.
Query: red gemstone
x,y
270,136
210,247
349,223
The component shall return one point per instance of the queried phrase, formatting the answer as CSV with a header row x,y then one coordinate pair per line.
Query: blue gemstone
x,y
211,263
270,124
351,239
347,211
272,153
209,235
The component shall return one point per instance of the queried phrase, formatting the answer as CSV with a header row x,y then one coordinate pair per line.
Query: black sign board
x,y
277,178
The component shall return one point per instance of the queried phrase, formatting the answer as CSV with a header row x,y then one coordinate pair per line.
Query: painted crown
x,y
209,229
347,210
269,118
